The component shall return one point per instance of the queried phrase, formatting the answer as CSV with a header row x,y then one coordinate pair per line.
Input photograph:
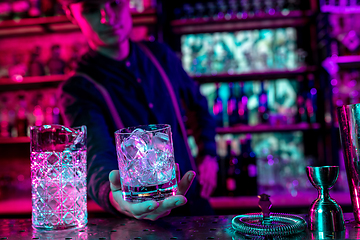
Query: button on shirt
x,y
140,97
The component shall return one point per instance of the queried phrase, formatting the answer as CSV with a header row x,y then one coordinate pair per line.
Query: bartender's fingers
x,y
139,209
185,182
170,203
177,169
114,178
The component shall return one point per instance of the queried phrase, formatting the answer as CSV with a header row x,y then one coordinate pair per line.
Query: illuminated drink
x,y
146,162
58,177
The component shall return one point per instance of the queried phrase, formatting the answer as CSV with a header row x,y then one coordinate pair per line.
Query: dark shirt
x,y
140,97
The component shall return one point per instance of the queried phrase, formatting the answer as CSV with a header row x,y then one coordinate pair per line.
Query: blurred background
x,y
273,71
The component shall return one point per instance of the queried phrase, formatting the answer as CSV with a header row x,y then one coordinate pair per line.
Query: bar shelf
x,y
277,20
267,128
7,84
258,75
14,140
61,24
348,61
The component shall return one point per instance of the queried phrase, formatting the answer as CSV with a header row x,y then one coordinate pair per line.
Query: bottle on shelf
x,y
232,106
248,176
55,64
263,109
242,101
311,100
301,113
52,112
36,67
21,123
73,61
38,113
34,10
233,171
218,108
5,127
48,7
18,69
221,151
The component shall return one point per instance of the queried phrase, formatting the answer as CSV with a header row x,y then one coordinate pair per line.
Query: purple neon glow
x,y
271,162
295,182
334,82
339,102
335,90
313,91
352,83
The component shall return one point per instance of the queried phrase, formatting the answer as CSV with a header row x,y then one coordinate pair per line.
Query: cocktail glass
x,y
58,177
146,162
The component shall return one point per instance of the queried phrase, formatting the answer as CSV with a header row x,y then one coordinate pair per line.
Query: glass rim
x,y
131,129
49,126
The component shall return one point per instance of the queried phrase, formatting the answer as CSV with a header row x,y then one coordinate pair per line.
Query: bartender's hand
x,y
208,169
151,210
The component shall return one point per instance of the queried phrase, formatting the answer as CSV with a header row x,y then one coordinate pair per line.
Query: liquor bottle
x,y
5,10
73,61
48,7
18,70
221,148
211,9
257,7
188,11
199,10
269,7
36,67
263,110
34,10
245,8
218,108
243,111
232,107
311,100
233,171
38,113
233,8
21,122
248,175
55,64
301,114
5,130
222,8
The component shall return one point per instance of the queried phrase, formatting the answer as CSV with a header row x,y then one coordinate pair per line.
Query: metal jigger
x,y
325,214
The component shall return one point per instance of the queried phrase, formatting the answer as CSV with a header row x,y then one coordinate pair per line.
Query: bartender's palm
x,y
150,210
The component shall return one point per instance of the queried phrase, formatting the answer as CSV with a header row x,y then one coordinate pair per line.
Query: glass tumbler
x,y
58,177
146,162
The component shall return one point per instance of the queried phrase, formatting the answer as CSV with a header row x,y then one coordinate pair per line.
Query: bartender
x,y
116,84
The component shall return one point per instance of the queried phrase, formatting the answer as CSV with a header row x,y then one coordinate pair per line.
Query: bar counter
x,y
187,228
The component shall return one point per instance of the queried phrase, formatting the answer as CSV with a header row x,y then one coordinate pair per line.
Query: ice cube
x,y
161,142
144,135
133,148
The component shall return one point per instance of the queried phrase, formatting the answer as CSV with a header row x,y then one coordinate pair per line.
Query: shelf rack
x,y
221,130
259,75
61,24
277,20
7,84
268,128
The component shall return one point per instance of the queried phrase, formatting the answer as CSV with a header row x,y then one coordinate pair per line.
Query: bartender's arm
x,y
205,139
